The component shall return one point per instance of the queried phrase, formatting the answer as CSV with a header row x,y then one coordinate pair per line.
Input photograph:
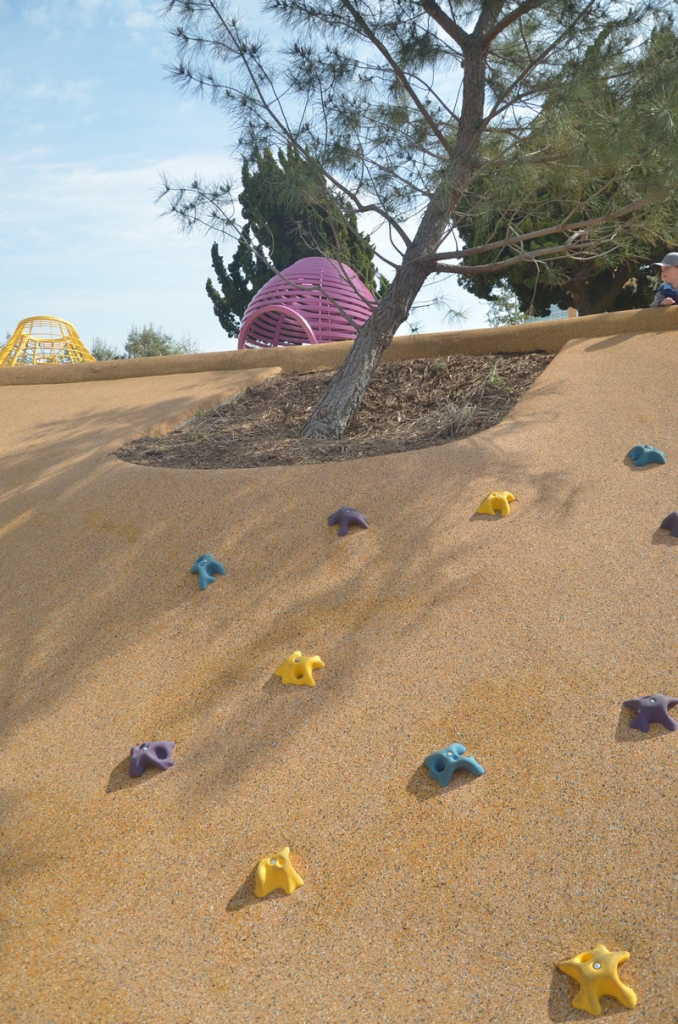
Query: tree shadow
x,y
423,787
562,991
615,339
130,521
625,734
120,777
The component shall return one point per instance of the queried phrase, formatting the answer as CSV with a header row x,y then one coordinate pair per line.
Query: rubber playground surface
x,y
132,901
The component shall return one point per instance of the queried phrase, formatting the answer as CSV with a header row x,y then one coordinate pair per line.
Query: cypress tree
x,y
289,213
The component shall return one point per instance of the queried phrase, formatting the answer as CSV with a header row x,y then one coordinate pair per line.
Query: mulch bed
x,y
411,404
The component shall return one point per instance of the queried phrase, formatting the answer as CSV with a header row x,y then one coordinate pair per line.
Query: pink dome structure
x,y
295,311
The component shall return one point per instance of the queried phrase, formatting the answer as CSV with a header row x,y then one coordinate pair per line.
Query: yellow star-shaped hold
x,y
299,670
276,872
596,974
498,501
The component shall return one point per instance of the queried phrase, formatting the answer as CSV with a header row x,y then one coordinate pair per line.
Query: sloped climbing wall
x,y
132,900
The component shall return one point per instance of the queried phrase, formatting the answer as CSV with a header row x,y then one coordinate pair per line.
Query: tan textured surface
x,y
131,902
547,335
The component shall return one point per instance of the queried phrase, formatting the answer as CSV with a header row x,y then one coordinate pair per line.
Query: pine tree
x,y
404,106
622,94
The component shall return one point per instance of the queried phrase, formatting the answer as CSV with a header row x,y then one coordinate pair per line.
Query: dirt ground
x,y
411,404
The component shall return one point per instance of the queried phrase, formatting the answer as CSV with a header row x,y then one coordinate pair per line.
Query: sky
x,y
89,121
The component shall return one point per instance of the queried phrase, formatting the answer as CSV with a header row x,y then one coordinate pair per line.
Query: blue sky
x,y
89,122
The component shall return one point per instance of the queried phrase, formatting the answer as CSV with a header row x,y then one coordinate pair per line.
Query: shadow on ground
x,y
120,777
664,537
616,339
625,734
422,786
244,896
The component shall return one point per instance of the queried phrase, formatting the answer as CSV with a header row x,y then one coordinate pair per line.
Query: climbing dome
x,y
44,339
314,305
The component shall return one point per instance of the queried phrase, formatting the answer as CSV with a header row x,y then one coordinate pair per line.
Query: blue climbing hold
x,y
644,454
444,763
205,566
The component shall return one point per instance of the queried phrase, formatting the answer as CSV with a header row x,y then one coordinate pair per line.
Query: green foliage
x,y
505,308
145,341
531,130
102,351
152,341
599,141
289,213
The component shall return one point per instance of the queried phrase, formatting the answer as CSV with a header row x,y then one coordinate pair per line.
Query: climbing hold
x,y
276,872
671,523
158,755
299,670
497,501
644,454
205,566
444,763
652,709
345,517
596,974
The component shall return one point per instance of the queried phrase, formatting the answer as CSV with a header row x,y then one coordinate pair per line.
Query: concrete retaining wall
x,y
547,335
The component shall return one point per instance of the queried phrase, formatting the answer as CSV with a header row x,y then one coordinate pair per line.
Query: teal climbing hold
x,y
444,763
644,454
205,566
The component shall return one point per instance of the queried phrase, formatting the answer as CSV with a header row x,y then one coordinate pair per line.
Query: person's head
x,y
669,268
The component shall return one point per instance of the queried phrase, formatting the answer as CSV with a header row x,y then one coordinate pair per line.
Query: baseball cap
x,y
670,260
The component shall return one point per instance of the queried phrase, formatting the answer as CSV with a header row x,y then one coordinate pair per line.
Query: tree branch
x,y
400,75
509,19
489,268
511,240
446,23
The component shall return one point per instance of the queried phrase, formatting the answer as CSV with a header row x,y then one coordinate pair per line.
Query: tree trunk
x,y
587,302
345,391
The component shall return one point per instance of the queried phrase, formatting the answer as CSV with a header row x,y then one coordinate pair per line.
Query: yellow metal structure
x,y
276,872
44,339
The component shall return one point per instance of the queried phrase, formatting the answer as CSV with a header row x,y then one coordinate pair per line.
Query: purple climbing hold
x,y
652,709
345,517
671,523
158,755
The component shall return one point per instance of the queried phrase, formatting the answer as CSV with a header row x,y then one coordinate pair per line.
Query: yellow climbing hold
x,y
299,670
498,501
276,872
596,974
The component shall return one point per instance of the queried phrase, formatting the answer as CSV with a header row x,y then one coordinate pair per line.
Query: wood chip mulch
x,y
411,404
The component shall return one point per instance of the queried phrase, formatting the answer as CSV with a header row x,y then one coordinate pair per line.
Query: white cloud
x,y
39,17
77,92
135,14
88,242
139,19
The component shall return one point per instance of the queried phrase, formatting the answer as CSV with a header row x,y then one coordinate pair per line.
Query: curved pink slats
x,y
293,311
270,327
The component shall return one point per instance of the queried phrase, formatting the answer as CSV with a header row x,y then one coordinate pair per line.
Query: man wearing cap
x,y
667,294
